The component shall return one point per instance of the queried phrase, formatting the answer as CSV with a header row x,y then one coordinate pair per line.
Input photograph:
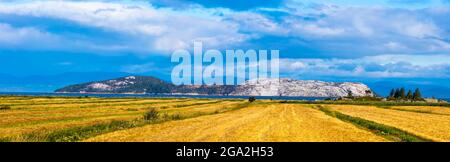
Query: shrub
x,y
166,116
151,115
251,99
83,132
5,107
368,98
132,109
176,117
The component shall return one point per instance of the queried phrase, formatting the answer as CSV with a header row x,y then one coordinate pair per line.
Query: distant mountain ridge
x,y
259,87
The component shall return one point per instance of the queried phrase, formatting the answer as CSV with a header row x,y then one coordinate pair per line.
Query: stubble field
x,y
122,119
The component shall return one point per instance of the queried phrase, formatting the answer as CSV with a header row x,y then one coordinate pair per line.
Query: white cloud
x,y
32,38
327,28
372,66
10,36
395,46
138,68
378,29
160,29
374,22
315,30
419,60
254,22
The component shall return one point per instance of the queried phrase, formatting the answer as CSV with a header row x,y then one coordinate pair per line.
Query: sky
x,y
332,40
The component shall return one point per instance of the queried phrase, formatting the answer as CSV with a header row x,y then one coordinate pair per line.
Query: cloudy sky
x,y
318,39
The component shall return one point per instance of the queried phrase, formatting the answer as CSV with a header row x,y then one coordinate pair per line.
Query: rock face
x,y
260,87
291,87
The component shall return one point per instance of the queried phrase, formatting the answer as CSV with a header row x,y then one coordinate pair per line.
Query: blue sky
x,y
334,40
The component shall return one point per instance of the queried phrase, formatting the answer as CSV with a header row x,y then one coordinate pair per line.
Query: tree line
x,y
401,94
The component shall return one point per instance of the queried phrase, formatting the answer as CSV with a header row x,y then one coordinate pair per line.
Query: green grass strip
x,y
5,139
415,111
79,133
388,132
196,104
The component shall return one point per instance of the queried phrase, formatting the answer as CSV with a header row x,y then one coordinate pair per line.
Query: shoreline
x,y
164,95
140,95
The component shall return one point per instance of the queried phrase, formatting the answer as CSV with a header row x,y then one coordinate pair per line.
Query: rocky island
x,y
259,87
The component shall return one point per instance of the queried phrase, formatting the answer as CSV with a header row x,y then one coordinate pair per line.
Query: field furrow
x,y
424,109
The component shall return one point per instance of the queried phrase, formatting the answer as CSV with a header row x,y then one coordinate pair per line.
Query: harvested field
x,y
431,126
263,122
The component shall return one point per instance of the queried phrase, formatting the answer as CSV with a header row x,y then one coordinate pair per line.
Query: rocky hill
x,y
260,87
130,84
310,88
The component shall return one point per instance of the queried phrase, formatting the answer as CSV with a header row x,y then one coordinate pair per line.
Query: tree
x,y
409,95
350,94
402,93
251,99
397,93
391,95
417,95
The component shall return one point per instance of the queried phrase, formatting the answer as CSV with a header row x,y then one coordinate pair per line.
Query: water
x,y
157,96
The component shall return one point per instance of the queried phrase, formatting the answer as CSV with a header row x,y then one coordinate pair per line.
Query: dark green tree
x,y
391,95
402,93
350,94
397,93
417,95
251,99
409,95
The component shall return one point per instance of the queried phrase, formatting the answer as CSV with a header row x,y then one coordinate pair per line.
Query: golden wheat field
x,y
267,123
428,125
424,109
43,115
93,119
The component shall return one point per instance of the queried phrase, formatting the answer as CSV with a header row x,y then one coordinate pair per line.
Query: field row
x,y
30,118
297,122
268,123
122,119
428,122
